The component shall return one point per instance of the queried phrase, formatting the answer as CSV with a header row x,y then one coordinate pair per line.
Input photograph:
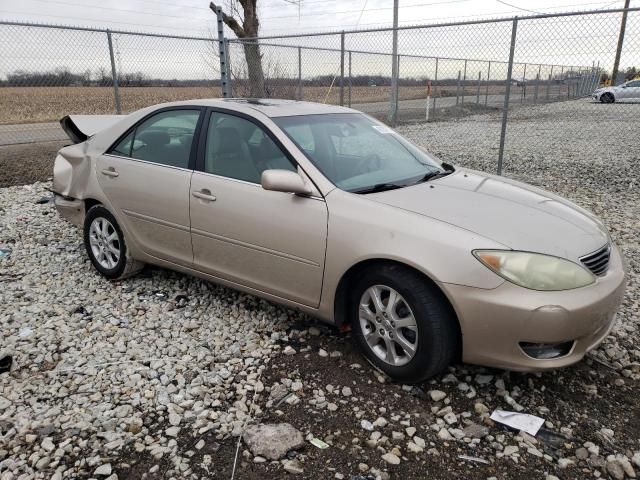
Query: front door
x,y
146,177
632,91
270,241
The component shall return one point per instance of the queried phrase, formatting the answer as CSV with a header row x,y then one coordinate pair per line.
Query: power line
x,y
430,19
516,7
320,14
101,20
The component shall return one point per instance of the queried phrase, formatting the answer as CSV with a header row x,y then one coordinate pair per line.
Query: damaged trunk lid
x,y
80,127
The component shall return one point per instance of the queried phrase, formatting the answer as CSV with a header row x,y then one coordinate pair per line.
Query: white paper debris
x,y
520,421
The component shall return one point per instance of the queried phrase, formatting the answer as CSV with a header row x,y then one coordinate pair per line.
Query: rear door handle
x,y
204,195
110,172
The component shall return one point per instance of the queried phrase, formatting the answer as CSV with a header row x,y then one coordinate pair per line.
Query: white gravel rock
x,y
437,395
106,359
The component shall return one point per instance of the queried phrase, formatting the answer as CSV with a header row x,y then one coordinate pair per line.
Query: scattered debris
x,y
25,332
5,252
520,421
181,301
5,363
316,442
44,200
473,459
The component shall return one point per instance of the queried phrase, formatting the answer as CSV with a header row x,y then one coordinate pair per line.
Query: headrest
x,y
154,137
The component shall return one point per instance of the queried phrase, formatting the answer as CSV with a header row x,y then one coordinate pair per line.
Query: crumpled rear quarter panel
x,y
72,170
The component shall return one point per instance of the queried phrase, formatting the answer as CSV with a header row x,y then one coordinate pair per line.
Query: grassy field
x,y
49,104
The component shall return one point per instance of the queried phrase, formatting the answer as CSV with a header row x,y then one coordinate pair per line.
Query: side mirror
x,y
284,181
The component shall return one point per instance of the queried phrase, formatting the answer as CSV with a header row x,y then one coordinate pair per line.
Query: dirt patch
x,y
27,163
583,397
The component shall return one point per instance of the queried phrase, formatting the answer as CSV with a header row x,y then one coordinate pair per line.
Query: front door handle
x,y
110,172
204,195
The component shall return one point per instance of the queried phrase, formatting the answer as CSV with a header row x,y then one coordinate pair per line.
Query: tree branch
x,y
229,21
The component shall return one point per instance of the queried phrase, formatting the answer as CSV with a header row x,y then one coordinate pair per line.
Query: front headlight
x,y
534,270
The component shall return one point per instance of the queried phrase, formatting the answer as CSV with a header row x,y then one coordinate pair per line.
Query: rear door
x,y
146,176
271,241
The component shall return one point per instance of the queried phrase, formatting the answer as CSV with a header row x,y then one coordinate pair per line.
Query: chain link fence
x,y
49,71
471,82
481,85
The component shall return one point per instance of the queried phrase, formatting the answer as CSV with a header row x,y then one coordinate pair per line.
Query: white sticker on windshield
x,y
383,129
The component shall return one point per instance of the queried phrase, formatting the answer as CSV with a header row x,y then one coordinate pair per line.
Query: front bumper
x,y
70,209
496,322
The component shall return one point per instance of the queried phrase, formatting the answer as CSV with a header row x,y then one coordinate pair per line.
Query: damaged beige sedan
x,y
324,209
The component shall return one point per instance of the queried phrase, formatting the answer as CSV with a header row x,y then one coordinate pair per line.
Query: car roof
x,y
269,106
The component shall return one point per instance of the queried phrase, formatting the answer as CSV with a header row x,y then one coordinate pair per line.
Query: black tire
x,y
607,97
438,342
125,266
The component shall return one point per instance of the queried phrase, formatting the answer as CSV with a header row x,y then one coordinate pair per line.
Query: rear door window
x,y
165,138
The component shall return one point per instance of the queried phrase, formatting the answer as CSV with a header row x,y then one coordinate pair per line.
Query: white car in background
x,y
627,92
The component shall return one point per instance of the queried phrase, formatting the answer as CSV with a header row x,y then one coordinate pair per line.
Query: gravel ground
x,y
156,376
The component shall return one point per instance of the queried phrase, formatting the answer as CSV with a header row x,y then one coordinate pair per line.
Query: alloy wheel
x,y
105,243
388,325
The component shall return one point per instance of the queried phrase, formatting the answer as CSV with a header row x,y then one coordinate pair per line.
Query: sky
x,y
543,46
193,17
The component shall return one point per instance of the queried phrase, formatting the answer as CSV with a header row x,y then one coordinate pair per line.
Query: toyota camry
x,y
324,209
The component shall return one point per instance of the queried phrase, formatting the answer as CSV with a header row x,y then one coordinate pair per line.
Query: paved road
x,y
42,132
420,104
30,132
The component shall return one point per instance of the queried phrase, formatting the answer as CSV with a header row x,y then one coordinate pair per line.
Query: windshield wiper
x,y
380,187
448,170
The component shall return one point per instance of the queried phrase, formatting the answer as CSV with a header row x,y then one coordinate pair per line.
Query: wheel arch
x,y
90,202
342,298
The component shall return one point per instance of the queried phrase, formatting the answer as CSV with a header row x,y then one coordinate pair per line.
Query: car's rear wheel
x,y
403,324
105,244
607,98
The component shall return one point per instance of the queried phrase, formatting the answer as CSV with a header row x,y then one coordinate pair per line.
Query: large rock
x,y
272,441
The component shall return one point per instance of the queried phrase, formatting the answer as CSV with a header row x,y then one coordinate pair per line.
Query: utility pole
x,y
393,106
623,26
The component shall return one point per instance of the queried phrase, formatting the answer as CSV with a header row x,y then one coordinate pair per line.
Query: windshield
x,y
357,153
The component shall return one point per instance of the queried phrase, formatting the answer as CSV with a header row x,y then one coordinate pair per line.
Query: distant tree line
x,y
63,77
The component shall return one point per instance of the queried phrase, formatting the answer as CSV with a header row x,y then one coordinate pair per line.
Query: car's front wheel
x,y
105,245
607,98
403,323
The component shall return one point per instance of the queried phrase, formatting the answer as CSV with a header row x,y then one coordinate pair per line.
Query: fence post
x,y
524,84
114,74
225,77
579,84
478,89
350,80
458,88
299,73
535,93
561,82
549,83
342,68
464,81
486,92
505,108
434,87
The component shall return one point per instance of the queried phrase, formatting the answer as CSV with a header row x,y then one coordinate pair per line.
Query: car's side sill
x,y
237,286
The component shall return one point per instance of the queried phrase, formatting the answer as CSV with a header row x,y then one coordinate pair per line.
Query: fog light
x,y
546,351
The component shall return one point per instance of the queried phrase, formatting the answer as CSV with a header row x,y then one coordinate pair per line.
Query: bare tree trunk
x,y
254,69
248,30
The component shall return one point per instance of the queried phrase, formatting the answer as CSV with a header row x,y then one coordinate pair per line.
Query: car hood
x,y
514,214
